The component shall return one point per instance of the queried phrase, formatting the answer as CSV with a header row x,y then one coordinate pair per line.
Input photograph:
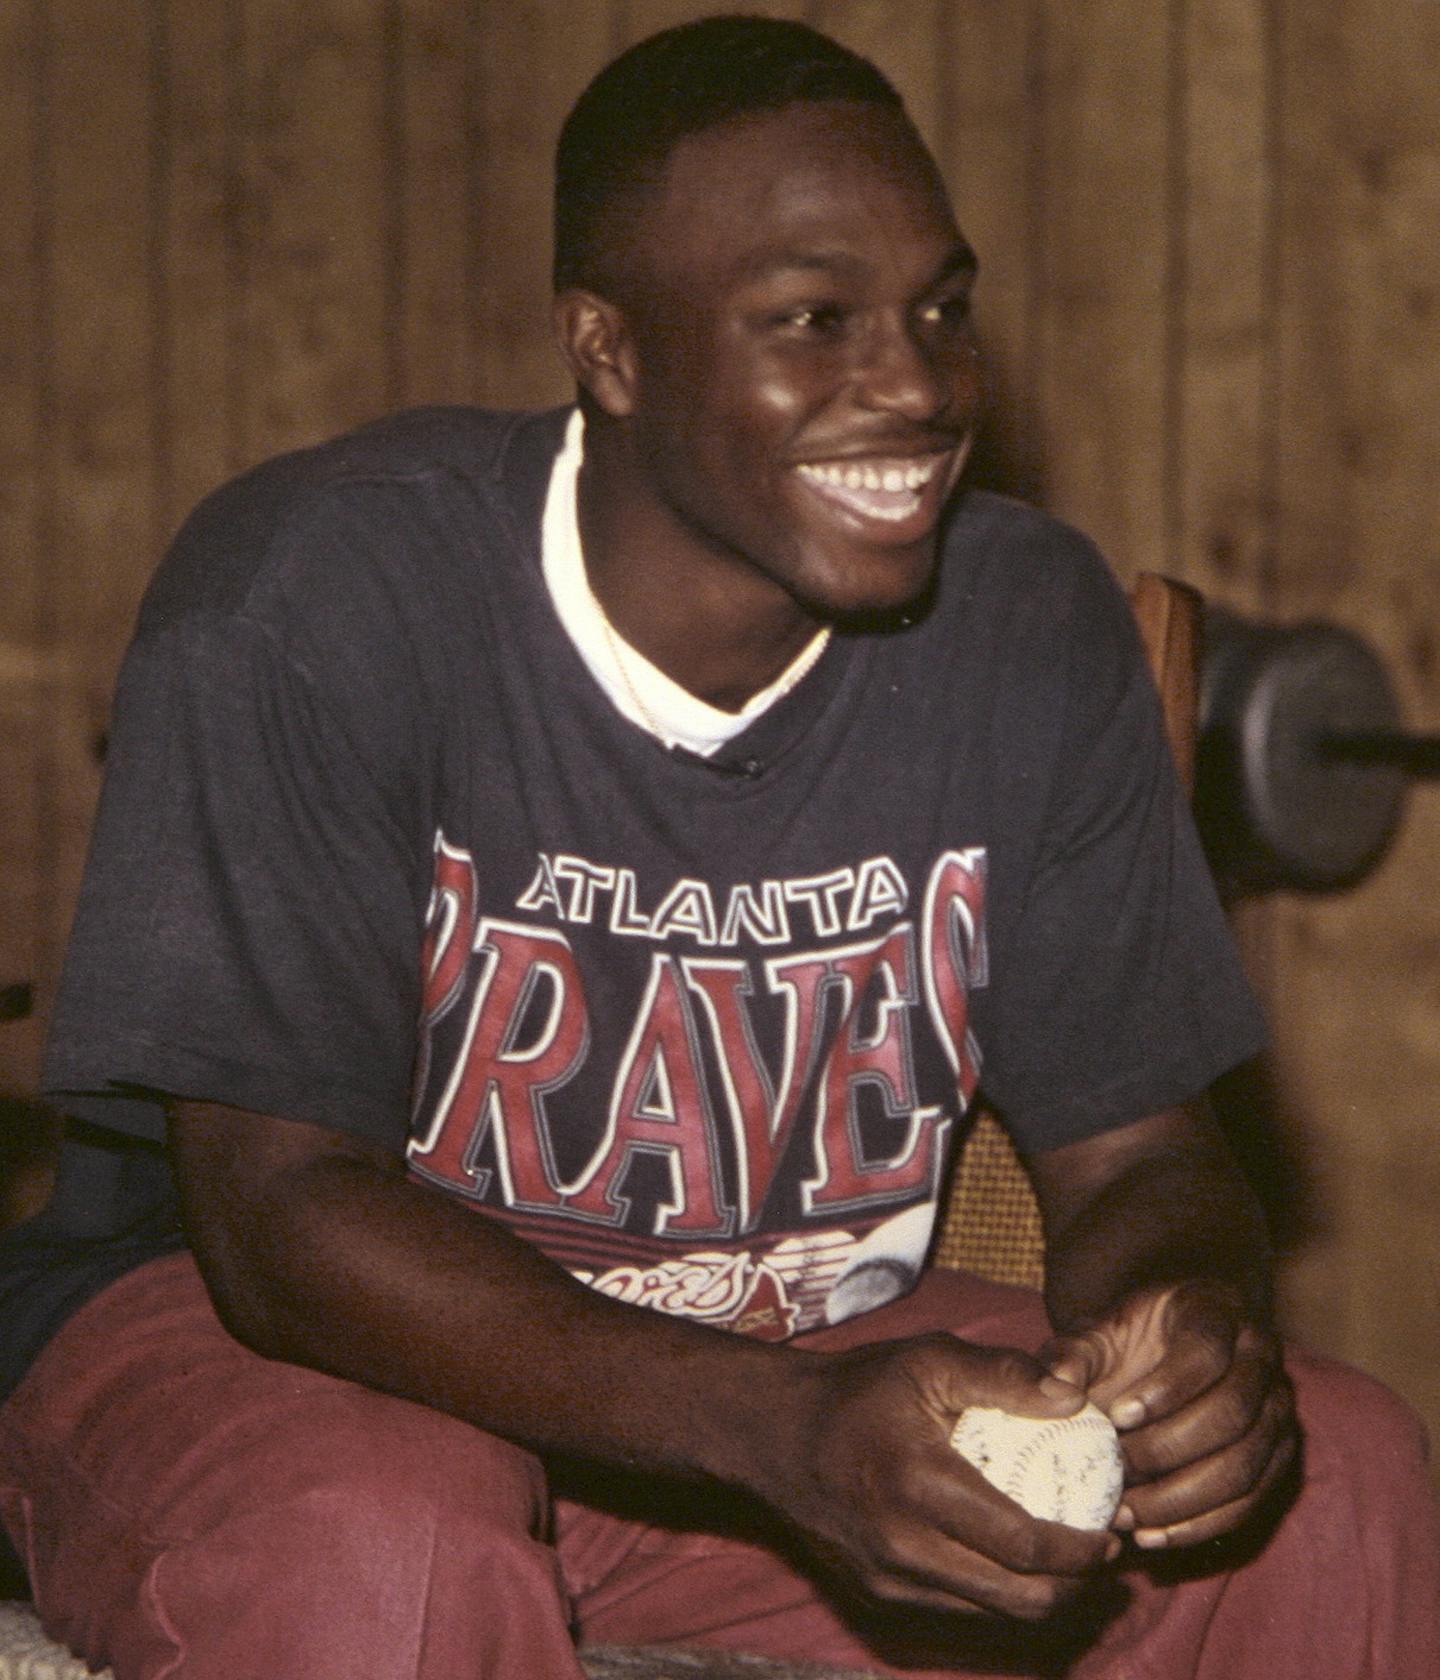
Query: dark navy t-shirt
x,y
376,852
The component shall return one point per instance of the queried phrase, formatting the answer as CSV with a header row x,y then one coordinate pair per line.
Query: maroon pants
x,y
188,1509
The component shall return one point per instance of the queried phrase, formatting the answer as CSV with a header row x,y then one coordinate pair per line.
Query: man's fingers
x,y
1115,1355
1197,1409
976,1550
1022,1544
922,1567
1015,1382
1213,1491
1199,1353
1152,1533
905,1516
1203,1405
1079,1360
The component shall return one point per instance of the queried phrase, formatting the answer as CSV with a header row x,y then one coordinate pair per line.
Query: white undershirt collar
x,y
639,690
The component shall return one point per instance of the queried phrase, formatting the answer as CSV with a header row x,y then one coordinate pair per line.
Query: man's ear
x,y
596,344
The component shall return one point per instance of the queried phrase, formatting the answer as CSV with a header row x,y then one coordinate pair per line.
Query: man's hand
x,y
873,1485
1204,1409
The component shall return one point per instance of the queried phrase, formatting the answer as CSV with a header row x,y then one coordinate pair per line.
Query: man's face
x,y
807,384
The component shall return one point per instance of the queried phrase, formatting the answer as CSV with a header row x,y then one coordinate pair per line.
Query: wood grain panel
x,y
315,214
991,152
532,62
23,739
433,328
99,187
1358,997
1389,232
904,38
1357,1049
1103,302
1221,459
1315,447
635,19
24,350
24,346
202,369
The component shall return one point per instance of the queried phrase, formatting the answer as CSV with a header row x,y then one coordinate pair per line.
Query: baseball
x,y
1066,1470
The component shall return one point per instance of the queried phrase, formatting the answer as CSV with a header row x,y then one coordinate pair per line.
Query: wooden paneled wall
x,y
1210,299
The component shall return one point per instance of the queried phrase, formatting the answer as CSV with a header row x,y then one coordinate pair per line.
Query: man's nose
x,y
901,373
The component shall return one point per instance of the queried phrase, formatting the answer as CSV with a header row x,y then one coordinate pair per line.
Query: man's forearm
x,y
1177,1209
1158,1282
345,1265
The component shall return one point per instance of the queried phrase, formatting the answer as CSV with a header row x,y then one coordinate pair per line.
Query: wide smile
x,y
894,497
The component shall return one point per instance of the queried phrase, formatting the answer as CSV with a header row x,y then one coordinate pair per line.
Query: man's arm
x,y
319,1250
1158,1285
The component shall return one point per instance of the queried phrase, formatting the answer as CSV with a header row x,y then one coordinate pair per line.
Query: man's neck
x,y
704,618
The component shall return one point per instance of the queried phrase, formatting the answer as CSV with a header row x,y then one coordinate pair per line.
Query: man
x,y
555,868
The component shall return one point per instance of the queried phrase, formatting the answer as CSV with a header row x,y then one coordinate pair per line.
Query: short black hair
x,y
622,129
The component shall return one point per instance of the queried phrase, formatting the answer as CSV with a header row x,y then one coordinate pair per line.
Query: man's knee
x,y
360,1546
1356,1427
394,1461
291,1509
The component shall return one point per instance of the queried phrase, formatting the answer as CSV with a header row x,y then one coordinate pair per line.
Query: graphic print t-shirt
x,y
376,852
761,1146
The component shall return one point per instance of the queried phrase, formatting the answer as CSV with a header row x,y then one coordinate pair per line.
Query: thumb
x,y
1078,1360
1012,1381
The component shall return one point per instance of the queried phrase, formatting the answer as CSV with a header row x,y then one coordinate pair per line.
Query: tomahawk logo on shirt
x,y
713,1101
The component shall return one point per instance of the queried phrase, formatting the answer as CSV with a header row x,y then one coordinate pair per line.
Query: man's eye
x,y
948,312
821,318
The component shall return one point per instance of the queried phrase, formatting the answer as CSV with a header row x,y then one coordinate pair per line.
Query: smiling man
x,y
782,379
560,882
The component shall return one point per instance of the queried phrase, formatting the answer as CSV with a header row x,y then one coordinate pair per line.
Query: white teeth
x,y
857,477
